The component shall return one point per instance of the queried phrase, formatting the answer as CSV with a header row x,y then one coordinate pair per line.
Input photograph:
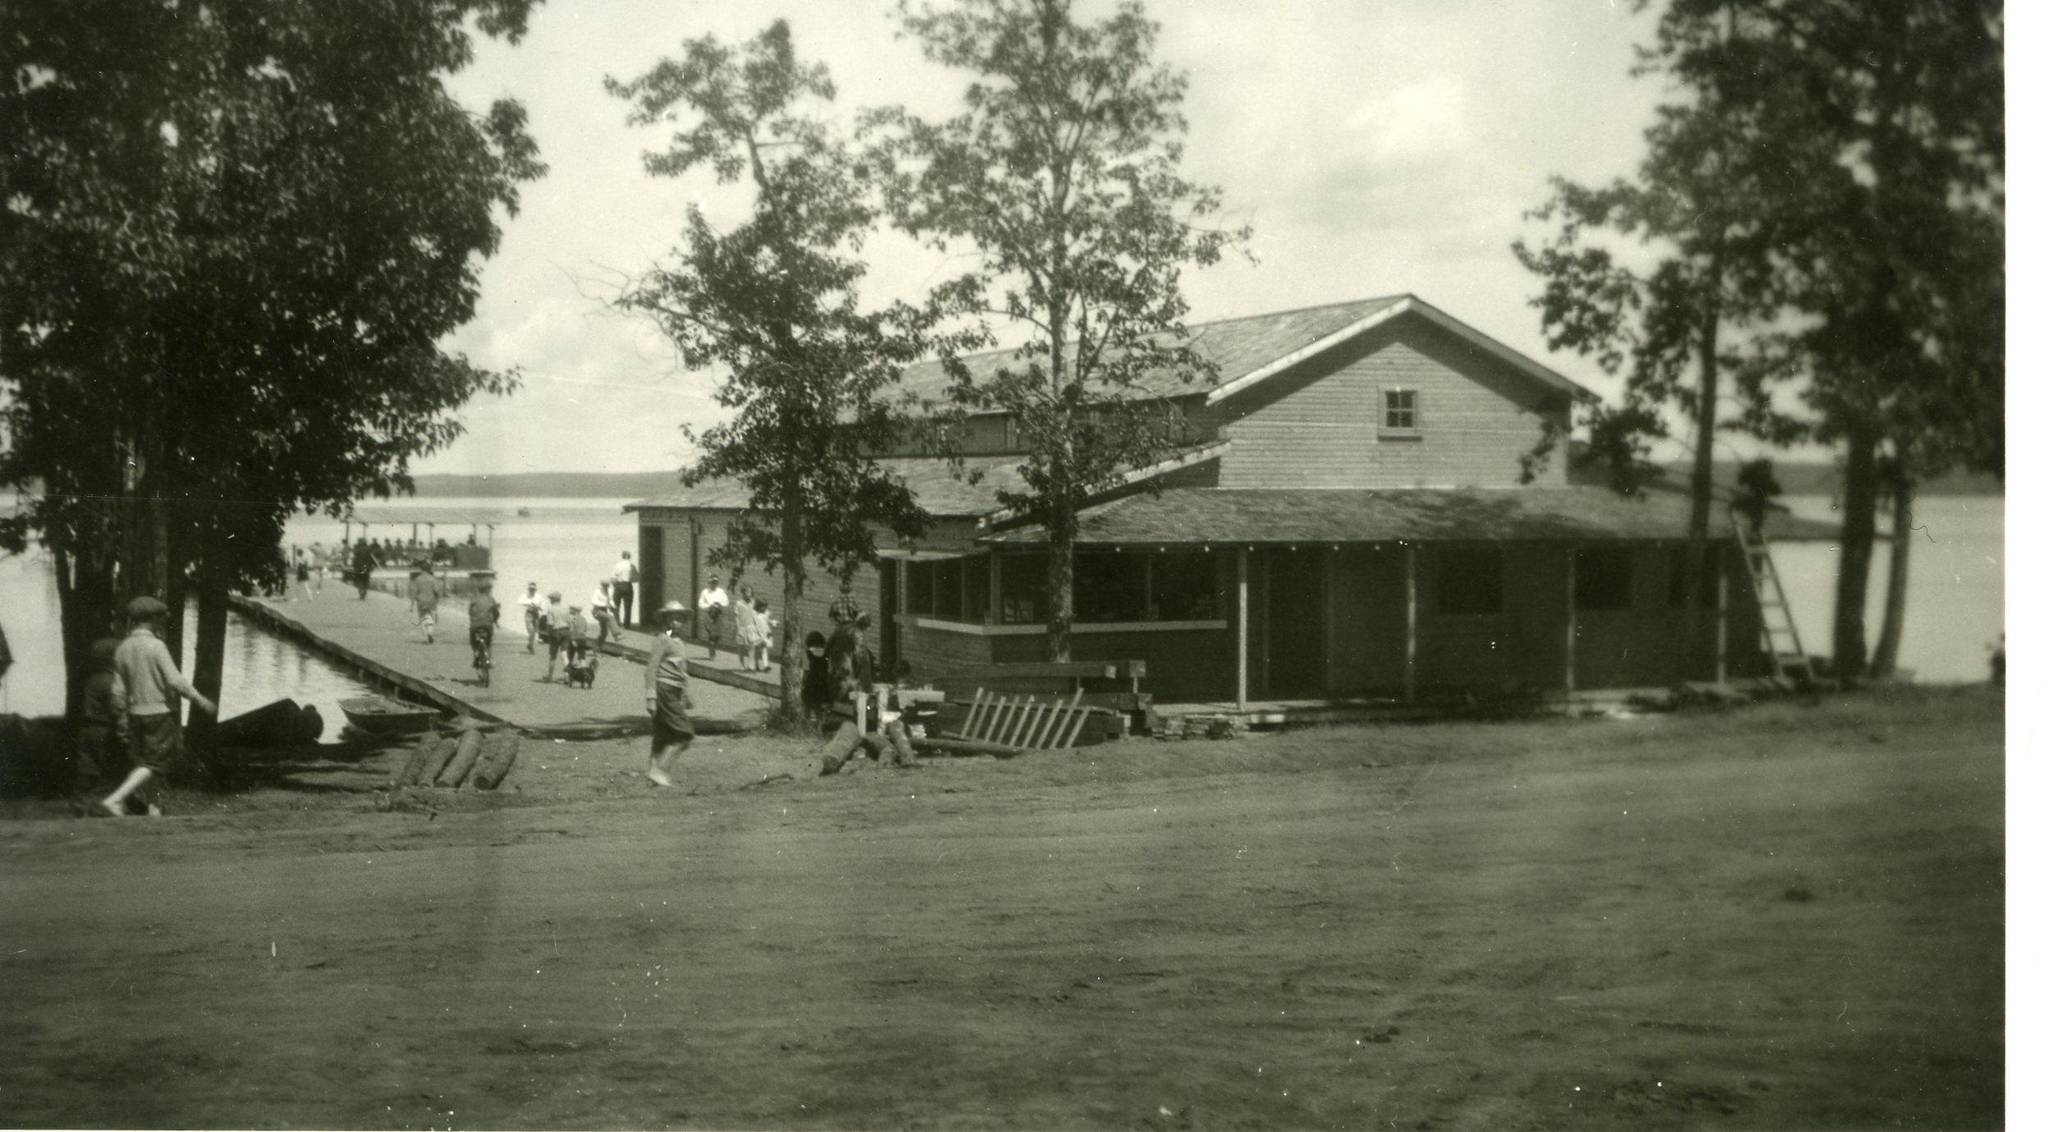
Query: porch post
x,y
1571,620
1244,606
1408,656
993,615
1329,619
1720,622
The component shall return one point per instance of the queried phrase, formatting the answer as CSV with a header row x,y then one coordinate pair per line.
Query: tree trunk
x,y
174,548
794,658
1859,535
1059,583
209,648
1699,519
1885,660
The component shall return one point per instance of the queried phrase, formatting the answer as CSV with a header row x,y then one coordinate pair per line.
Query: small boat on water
x,y
376,715
526,512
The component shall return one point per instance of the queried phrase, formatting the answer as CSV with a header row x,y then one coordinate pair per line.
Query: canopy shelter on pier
x,y
406,528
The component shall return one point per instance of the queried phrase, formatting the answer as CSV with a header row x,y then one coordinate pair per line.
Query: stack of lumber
x,y
480,758
1004,725
1109,685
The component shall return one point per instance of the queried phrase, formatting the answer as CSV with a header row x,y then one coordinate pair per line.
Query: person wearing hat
x,y
554,629
668,695
153,683
426,597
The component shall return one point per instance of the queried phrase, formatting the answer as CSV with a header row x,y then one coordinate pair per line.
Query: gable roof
x,y
1249,349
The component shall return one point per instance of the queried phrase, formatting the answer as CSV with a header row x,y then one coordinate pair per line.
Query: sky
x,y
1373,146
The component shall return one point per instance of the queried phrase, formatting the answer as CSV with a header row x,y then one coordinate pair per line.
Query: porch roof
x,y
1233,517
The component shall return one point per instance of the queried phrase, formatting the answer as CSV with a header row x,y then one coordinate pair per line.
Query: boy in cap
x,y
153,684
554,627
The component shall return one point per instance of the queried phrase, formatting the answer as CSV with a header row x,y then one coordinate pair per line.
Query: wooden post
x,y
995,591
1720,620
1571,620
1408,656
1244,606
1329,618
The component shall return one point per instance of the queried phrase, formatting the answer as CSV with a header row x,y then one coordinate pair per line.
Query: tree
x,y
1673,329
776,301
237,231
1892,239
1062,173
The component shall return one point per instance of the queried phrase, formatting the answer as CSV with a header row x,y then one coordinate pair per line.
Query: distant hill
x,y
548,485
1803,477
1797,478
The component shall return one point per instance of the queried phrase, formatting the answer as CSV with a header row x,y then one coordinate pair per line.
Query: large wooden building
x,y
1349,518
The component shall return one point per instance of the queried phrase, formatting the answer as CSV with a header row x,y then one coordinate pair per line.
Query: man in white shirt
x,y
712,603
624,575
601,612
530,605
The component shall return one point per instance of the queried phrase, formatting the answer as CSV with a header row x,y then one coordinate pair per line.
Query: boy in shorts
x,y
153,684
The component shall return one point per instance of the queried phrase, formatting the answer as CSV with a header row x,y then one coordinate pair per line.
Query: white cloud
x,y
1419,122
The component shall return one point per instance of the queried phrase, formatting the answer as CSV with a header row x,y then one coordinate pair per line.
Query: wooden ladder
x,y
1789,660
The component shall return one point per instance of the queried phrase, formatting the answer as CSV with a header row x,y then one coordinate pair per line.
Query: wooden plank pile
x,y
1112,686
479,758
1004,725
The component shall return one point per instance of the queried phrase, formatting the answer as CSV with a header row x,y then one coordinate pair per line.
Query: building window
x,y
1468,580
1186,587
1602,579
1400,412
1710,580
917,587
1109,587
942,589
1022,600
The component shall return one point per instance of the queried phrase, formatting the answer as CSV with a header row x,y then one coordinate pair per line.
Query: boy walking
x,y
153,684
426,597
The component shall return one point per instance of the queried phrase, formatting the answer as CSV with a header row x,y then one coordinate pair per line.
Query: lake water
x,y
1955,607
565,544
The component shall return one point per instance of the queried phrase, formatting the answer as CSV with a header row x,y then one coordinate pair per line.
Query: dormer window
x,y
1400,413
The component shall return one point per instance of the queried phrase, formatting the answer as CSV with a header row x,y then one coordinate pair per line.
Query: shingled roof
x,y
1291,516
1249,348
930,477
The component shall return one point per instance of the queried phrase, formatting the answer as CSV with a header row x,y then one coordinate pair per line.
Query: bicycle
x,y
480,653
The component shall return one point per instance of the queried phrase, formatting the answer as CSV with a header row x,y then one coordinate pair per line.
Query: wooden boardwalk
x,y
375,640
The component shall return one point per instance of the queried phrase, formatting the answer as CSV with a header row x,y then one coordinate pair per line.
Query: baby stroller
x,y
582,671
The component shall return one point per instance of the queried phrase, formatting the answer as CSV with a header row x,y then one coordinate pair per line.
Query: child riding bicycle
x,y
483,622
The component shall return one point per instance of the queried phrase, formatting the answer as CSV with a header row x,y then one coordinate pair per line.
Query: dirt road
x,y
1787,917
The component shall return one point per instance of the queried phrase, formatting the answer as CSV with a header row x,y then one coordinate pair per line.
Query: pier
x,y
377,640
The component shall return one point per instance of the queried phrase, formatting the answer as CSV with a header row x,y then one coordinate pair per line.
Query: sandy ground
x,y
1782,917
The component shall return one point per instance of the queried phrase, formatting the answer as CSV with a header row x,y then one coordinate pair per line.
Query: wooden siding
x,y
1319,425
1363,645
